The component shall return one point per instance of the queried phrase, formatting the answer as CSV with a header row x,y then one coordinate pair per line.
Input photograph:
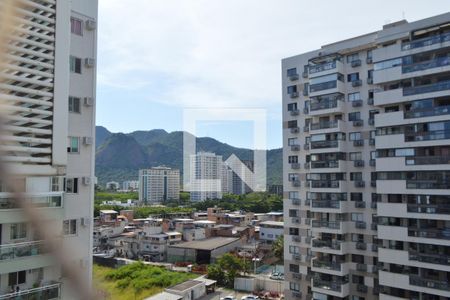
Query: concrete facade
x,y
366,129
49,91
159,184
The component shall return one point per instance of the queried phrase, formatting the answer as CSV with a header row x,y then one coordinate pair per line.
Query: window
x,y
70,227
293,195
388,64
357,217
354,136
293,213
293,141
292,89
355,156
356,197
292,106
76,26
74,145
74,104
352,57
291,72
369,53
294,286
352,77
355,176
75,64
71,185
294,268
370,74
354,116
373,154
293,159
354,96
294,249
18,231
16,278
293,176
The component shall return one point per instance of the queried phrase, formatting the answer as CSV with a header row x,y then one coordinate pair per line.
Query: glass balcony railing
x,y
322,67
326,224
427,184
430,64
431,112
324,125
328,285
323,86
326,204
429,258
430,233
428,41
325,104
324,183
334,245
429,208
427,88
51,291
429,283
325,164
324,144
329,265
54,199
427,136
19,250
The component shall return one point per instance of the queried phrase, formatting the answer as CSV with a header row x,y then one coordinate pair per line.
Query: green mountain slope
x,y
119,156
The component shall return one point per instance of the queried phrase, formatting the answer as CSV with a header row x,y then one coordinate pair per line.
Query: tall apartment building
x,y
48,91
159,184
239,185
366,130
130,185
207,171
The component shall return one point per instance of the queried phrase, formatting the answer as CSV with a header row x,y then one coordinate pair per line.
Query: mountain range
x,y
119,156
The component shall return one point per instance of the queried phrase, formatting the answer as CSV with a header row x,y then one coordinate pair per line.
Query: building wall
x,y
159,184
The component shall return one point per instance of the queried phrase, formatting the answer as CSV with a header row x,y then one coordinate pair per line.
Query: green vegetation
x,y
109,196
226,269
145,211
257,202
278,248
135,281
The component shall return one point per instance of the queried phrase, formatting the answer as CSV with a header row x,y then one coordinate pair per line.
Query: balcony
x,y
361,267
333,204
337,288
370,101
429,233
356,83
324,144
334,124
358,163
295,166
360,224
358,123
296,239
326,224
295,147
20,250
370,80
434,63
294,130
361,245
47,292
329,267
361,288
429,112
322,67
359,183
429,258
293,95
429,208
294,112
356,63
358,143
324,164
428,283
357,103
295,201
293,77
360,204
41,200
428,88
428,41
327,184
295,183
330,244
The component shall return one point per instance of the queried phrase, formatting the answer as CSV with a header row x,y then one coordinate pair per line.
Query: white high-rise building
x,y
159,184
130,185
48,89
207,171
366,160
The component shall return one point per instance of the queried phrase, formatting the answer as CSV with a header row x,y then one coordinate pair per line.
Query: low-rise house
x,y
269,231
108,217
154,247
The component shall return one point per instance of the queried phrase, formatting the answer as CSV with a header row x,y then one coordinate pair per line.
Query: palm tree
x,y
278,248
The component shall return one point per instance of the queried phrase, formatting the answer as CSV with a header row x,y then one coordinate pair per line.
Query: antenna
x,y
403,15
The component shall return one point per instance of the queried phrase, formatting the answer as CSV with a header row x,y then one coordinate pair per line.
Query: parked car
x,y
228,298
250,297
277,276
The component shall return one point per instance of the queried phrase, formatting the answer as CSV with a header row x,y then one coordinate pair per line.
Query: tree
x,y
216,273
278,248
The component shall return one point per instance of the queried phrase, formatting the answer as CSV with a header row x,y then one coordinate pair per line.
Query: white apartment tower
x,y
207,171
48,85
159,184
366,131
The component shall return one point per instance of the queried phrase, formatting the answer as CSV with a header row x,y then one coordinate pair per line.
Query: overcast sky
x,y
157,57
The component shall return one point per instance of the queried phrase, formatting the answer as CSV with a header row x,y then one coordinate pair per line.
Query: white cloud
x,y
223,53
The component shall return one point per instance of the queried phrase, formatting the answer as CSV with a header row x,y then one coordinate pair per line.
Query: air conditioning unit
x,y
91,25
88,101
86,180
85,221
87,140
89,62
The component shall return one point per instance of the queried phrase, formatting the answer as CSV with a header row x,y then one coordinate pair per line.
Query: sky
x,y
158,58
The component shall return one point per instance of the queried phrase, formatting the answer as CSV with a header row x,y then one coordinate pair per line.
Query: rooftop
x,y
165,296
206,244
184,286
108,211
272,223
